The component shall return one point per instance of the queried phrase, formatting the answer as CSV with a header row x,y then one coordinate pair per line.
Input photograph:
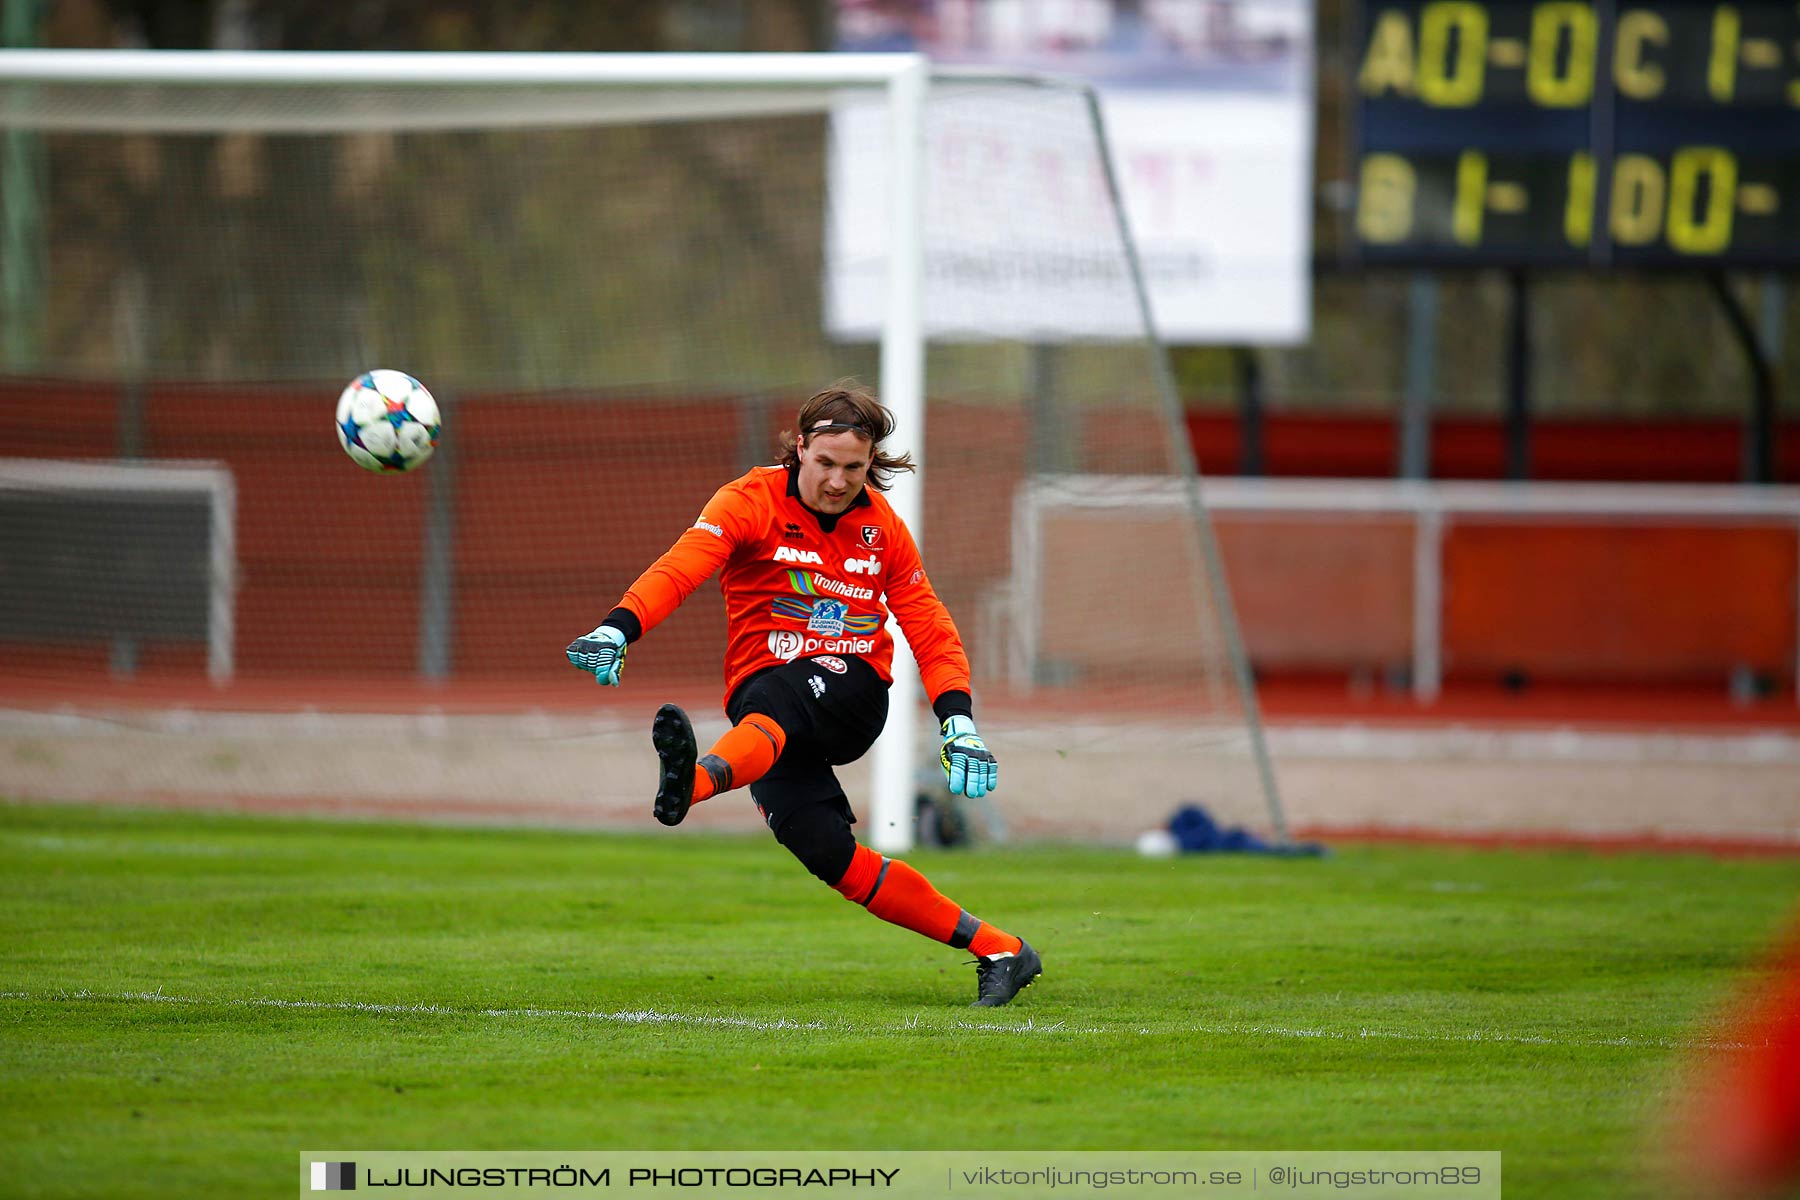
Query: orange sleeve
x,y
943,665
697,554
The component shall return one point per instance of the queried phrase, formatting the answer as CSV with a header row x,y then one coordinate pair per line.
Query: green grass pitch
x,y
187,1001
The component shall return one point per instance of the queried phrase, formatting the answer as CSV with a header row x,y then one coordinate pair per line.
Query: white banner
x,y
1208,105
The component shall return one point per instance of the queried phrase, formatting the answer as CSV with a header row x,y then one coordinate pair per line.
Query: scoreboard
x,y
1570,132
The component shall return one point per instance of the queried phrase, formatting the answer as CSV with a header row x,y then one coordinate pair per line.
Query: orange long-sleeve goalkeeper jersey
x,y
798,583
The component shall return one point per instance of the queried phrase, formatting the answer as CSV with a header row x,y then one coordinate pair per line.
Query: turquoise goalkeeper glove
x,y
968,764
602,652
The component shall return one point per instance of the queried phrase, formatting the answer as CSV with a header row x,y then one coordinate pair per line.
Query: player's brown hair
x,y
847,406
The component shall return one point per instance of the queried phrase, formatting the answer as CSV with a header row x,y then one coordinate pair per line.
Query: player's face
x,y
833,467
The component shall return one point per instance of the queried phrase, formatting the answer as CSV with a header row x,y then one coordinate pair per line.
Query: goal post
x,y
620,274
69,577
903,389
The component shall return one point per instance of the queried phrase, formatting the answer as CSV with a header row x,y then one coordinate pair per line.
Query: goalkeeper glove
x,y
968,764
602,652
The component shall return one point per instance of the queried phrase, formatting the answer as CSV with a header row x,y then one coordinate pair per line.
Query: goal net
x,y
619,275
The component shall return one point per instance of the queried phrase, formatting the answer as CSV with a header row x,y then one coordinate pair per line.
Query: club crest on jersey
x,y
828,618
872,536
832,663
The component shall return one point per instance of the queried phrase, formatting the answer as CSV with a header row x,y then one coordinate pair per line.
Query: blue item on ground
x,y
1196,832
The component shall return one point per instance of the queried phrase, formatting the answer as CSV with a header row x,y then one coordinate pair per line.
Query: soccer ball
x,y
1157,843
387,421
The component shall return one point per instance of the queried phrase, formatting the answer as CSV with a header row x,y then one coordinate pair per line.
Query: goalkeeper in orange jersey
x,y
812,558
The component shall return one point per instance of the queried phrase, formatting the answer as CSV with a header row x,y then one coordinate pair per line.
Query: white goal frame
x,y
1431,506
902,77
157,478
548,89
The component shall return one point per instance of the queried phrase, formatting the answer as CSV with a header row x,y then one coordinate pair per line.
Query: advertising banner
x,y
1208,106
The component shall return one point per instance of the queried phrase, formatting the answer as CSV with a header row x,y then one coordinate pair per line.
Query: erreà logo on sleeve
x,y
334,1177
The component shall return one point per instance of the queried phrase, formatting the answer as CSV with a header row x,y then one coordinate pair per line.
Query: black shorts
x,y
832,708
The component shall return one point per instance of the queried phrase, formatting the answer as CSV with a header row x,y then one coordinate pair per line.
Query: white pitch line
x,y
652,1017
643,1017
1471,1037
784,1024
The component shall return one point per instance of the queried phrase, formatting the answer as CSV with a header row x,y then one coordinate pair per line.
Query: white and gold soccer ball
x,y
387,421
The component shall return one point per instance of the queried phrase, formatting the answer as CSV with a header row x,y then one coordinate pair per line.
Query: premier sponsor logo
x,y
794,554
787,645
863,566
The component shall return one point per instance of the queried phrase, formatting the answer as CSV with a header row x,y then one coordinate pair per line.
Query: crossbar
x,y
449,69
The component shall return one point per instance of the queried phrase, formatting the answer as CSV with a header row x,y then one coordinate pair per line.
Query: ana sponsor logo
x,y
786,645
831,663
795,555
818,686
863,566
871,536
703,523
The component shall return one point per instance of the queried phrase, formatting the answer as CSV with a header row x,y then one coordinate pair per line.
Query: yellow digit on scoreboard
x,y
1449,80
1471,197
1384,199
1637,200
1571,85
1578,213
1700,221
1721,67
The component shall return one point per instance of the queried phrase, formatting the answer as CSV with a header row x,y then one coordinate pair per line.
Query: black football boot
x,y
1000,977
673,736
